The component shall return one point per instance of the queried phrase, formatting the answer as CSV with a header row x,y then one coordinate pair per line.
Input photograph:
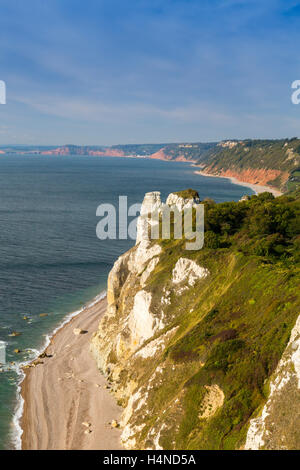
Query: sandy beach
x,y
257,188
67,390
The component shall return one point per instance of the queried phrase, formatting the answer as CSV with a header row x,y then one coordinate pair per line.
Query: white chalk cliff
x,y
151,204
168,311
134,327
180,202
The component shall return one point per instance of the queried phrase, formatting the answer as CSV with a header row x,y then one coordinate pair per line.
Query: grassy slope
x,y
232,326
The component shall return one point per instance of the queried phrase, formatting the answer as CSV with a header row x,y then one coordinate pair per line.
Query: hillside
x,y
267,162
188,152
196,343
274,163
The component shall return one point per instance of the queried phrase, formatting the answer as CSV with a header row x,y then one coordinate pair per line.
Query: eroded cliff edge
x,y
196,345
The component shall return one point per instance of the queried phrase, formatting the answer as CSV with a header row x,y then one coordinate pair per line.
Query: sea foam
x,y
18,368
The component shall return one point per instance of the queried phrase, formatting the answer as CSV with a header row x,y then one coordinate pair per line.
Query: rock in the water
x,y
188,271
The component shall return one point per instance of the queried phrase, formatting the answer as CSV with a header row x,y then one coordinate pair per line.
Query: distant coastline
x,y
257,188
261,165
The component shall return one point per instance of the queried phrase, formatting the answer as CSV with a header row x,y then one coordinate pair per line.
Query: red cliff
x,y
258,176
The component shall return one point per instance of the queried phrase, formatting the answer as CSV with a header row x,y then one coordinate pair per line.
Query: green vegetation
x,y
232,327
188,194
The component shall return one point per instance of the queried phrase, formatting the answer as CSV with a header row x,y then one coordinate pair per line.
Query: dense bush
x,y
264,226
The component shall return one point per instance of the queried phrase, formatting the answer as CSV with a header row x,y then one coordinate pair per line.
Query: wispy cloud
x,y
155,68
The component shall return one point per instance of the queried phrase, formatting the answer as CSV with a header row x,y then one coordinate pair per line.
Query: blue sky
x,y
116,71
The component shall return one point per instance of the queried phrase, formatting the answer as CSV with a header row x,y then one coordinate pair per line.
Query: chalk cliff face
x,y
136,327
182,344
265,162
151,204
127,299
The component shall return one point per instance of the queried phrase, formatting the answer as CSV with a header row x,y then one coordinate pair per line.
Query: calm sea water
x,y
51,261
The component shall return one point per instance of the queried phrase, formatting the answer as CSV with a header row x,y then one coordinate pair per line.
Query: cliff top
x,y
187,194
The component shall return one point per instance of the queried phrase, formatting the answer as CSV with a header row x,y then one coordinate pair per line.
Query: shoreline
x,y
60,392
257,188
19,368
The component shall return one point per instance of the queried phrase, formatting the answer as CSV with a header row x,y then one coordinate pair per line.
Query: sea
x,y
51,262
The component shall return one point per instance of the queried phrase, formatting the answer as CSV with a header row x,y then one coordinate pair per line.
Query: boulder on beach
x,y
44,354
79,331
